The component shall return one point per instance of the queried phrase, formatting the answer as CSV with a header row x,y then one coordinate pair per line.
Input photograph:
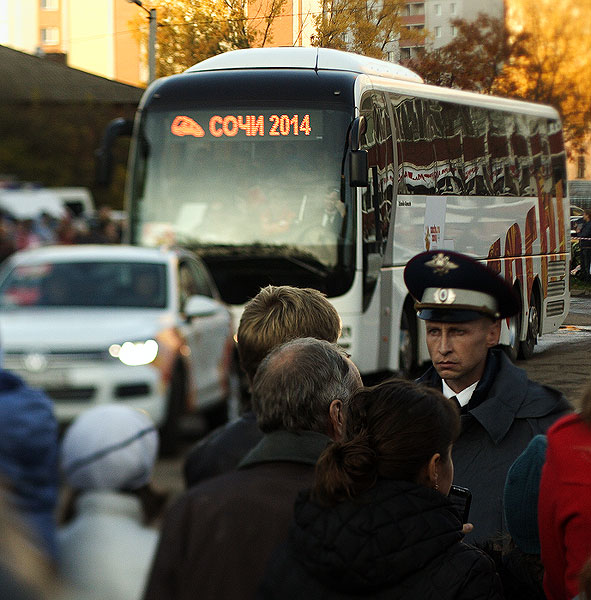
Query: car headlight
x,y
135,353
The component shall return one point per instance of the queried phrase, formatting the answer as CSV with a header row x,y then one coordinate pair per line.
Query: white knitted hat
x,y
109,447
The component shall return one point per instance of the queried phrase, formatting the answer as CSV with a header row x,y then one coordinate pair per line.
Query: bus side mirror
x,y
358,168
104,154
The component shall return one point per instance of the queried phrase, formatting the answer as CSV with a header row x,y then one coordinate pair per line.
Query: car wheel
x,y
170,430
526,348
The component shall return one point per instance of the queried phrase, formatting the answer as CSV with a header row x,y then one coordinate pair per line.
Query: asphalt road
x,y
561,360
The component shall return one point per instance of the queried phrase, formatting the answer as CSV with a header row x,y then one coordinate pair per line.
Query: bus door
x,y
376,215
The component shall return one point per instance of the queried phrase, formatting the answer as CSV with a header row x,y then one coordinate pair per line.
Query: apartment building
x,y
294,26
92,35
98,35
434,17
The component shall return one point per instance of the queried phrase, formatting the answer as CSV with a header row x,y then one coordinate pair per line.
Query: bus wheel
x,y
526,348
514,332
407,348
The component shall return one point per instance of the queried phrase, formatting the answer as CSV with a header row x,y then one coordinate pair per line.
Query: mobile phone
x,y
461,498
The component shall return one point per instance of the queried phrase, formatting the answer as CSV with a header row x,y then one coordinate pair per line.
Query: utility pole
x,y
151,39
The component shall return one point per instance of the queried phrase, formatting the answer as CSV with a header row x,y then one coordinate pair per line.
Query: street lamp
x,y
151,39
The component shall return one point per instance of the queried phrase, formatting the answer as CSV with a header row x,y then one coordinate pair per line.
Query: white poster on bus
x,y
434,227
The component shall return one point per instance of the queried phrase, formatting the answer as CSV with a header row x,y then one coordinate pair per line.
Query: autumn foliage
x,y
190,31
540,53
367,27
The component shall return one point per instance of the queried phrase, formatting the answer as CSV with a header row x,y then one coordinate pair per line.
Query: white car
x,y
96,324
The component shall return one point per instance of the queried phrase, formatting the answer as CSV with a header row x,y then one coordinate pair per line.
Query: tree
x,y
190,31
541,53
368,27
554,66
474,59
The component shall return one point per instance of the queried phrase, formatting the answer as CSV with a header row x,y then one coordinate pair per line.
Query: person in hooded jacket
x,y
29,458
377,522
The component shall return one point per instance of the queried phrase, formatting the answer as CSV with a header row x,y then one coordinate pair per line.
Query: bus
x,y
319,168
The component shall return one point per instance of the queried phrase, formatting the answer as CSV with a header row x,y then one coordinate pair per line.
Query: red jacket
x,y
564,510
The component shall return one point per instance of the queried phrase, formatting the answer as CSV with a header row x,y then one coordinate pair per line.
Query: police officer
x,y
463,303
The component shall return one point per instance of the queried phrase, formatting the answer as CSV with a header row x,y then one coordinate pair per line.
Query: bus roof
x,y
318,59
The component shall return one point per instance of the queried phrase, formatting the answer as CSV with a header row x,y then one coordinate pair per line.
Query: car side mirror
x,y
200,306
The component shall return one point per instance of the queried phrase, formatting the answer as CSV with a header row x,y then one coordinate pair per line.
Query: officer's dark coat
x,y
505,412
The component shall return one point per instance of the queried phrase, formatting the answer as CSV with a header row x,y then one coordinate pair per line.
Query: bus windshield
x,y
256,192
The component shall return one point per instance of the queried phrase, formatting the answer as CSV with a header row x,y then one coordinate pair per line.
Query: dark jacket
x,y
585,232
505,412
222,449
28,456
521,574
217,537
399,540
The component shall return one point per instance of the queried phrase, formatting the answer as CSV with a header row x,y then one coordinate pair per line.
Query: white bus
x,y
318,168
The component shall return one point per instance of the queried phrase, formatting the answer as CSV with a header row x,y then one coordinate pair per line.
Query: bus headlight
x,y
134,354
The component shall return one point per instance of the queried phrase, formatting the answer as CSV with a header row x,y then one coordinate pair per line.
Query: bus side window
x,y
376,202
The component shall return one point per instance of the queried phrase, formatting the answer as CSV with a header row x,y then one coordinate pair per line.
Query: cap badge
x,y
444,296
441,264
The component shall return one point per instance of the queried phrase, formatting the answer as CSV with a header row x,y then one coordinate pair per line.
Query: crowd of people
x,y
45,229
323,488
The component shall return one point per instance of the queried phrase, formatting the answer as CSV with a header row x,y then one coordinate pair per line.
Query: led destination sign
x,y
267,125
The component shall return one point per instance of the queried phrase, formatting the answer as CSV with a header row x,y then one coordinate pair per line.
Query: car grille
x,y
131,390
54,360
82,394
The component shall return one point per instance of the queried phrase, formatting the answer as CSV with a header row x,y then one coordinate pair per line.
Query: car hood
x,y
72,329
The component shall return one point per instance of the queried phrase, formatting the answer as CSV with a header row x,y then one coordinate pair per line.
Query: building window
x,y
437,8
581,167
404,53
50,36
49,4
437,32
414,8
454,31
452,8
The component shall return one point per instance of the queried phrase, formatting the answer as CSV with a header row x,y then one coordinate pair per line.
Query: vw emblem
x,y
35,362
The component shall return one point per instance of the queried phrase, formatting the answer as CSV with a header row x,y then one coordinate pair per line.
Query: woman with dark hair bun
x,y
378,523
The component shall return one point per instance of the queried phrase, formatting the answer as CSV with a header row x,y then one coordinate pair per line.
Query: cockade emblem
x,y
441,264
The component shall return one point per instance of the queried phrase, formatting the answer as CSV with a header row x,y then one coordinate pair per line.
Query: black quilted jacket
x,y
400,540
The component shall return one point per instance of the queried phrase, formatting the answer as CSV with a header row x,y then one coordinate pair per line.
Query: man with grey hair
x,y
219,535
275,315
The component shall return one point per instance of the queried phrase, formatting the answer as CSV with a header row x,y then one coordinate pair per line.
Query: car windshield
x,y
85,284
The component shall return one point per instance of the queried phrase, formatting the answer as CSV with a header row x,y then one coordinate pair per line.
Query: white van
x,y
31,203
77,199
